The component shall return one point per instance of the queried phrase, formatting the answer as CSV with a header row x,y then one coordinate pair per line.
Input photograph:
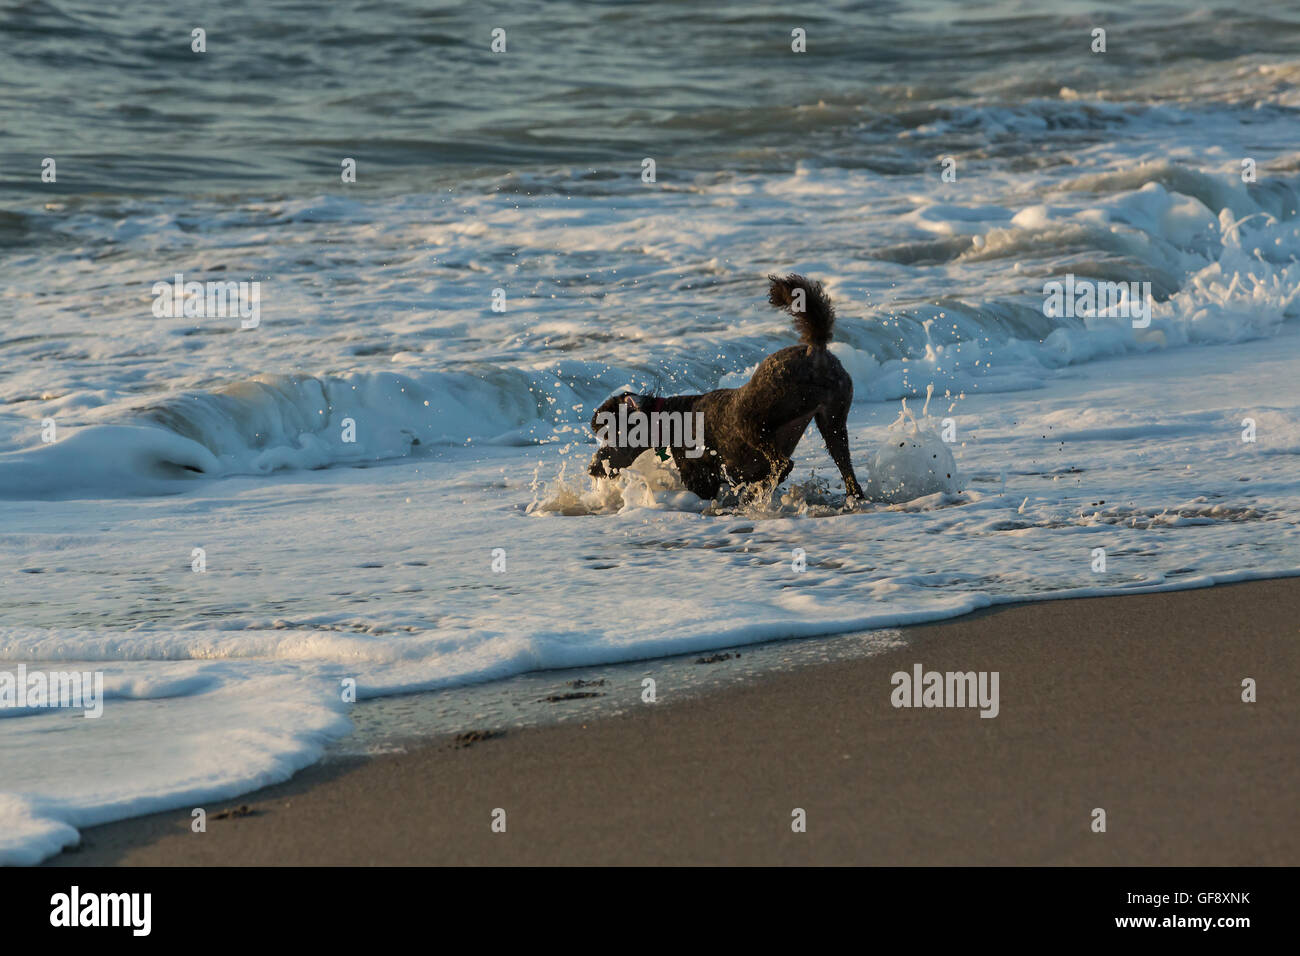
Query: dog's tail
x,y
811,307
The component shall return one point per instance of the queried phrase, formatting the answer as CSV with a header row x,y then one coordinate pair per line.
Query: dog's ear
x,y
631,402
610,406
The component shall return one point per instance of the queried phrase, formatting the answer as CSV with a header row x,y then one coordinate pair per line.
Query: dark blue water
x,y
584,91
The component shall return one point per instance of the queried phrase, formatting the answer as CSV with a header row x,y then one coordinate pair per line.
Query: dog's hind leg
x,y
834,425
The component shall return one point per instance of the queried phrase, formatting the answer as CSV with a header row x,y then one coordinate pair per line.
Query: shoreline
x,y
1130,703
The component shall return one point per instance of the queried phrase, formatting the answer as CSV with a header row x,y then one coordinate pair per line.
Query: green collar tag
x,y
662,453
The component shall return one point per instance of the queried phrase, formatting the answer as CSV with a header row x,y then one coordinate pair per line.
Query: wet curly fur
x,y
750,432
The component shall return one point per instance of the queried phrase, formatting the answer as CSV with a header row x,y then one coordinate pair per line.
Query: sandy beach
x,y
1131,704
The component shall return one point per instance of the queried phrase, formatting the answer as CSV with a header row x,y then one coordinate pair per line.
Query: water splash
x,y
913,461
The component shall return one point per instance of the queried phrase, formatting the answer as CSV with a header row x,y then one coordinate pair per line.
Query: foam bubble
x,y
913,461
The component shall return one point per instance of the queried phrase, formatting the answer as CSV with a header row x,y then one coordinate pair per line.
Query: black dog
x,y
750,432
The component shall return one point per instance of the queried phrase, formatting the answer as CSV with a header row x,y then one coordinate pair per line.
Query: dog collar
x,y
658,406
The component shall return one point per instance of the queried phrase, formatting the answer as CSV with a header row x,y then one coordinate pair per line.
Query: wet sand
x,y
1130,704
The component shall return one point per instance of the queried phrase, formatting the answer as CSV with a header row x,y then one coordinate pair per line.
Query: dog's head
x,y
615,453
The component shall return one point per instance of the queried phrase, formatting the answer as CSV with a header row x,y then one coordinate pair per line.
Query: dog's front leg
x,y
778,465
760,489
701,478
